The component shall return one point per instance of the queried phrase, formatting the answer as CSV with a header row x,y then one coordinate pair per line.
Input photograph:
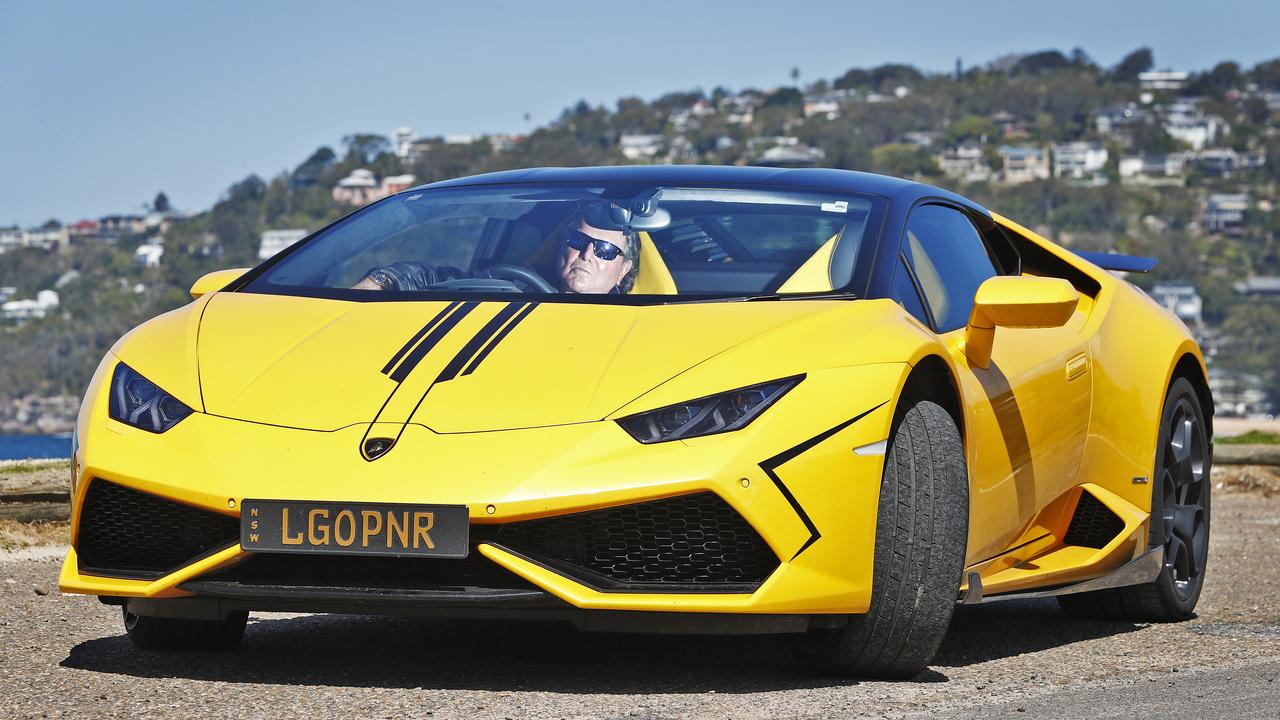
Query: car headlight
x,y
713,414
141,403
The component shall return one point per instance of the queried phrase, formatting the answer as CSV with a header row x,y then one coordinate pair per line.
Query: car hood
x,y
324,364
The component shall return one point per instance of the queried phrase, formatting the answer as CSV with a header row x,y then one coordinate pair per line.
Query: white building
x,y
273,241
45,301
1152,169
1181,299
1079,159
1117,118
640,147
966,161
148,254
1196,131
402,140
1166,80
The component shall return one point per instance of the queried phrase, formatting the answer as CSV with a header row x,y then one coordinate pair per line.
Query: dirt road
x,y
64,656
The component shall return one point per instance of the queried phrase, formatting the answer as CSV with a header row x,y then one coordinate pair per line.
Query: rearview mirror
x,y
1015,301
214,281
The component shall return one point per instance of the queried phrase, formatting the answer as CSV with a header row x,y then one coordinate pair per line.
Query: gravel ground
x,y
66,656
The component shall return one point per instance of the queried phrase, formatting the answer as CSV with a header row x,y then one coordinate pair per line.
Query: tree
x,y
892,75
784,97
1040,63
972,127
904,160
161,203
852,79
1138,61
366,146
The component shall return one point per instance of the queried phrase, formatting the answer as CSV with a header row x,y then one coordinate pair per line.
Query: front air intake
x,y
1093,525
133,534
692,543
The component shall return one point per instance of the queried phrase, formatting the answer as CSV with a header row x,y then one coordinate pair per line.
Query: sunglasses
x,y
603,249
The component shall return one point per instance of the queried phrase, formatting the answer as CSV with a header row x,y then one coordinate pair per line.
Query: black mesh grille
x,y
1093,525
694,542
130,533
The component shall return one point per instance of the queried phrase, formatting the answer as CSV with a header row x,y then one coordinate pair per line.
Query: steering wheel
x,y
524,274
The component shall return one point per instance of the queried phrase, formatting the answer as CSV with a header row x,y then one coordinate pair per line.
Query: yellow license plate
x,y
398,529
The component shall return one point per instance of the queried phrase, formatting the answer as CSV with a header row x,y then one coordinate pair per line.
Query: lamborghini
x,y
663,399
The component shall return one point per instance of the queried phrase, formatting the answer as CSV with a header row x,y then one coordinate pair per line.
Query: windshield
x,y
560,242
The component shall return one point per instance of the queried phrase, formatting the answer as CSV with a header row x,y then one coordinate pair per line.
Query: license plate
x,y
397,529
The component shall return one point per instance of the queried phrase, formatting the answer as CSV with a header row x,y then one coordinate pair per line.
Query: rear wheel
x,y
1179,523
156,633
921,531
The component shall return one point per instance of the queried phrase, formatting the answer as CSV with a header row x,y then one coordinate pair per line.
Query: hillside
x,y
1181,166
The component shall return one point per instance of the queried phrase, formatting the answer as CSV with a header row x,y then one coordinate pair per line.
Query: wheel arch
x,y
931,378
1190,366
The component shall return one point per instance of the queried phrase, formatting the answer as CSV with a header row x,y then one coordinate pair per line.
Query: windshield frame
x,y
873,233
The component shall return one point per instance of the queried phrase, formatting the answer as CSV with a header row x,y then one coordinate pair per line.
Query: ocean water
x,y
21,447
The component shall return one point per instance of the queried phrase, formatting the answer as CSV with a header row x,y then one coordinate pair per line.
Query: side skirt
x,y
1143,569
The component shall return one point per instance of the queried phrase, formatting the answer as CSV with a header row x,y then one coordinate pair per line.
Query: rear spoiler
x,y
1122,263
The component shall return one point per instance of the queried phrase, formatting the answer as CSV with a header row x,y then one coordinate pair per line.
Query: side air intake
x,y
1093,525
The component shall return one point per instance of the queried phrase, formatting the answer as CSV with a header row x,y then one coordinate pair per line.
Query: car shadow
x,y
357,651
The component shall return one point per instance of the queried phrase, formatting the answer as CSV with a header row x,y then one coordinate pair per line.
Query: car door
x,y
1028,411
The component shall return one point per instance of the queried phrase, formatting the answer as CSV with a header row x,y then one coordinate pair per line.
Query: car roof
x,y
896,189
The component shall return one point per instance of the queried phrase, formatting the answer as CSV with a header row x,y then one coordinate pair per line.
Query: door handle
x,y
1077,366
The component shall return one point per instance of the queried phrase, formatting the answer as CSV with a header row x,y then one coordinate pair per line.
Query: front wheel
x,y
921,530
157,633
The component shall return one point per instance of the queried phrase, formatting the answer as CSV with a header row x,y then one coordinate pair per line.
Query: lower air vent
x,y
693,543
129,533
1093,525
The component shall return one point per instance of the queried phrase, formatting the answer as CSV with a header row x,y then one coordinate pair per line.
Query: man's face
x,y
582,271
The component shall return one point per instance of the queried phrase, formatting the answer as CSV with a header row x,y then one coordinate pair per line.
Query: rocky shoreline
x,y
35,415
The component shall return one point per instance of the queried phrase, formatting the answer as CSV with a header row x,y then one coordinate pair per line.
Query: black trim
x,y
473,345
771,464
386,369
418,353
448,596
484,352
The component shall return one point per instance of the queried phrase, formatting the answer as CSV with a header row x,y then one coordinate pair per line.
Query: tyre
x,y
1179,523
921,532
156,633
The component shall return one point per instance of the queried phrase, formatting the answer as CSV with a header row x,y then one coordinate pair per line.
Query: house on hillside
x,y
1181,299
83,230
1153,169
271,242
1163,80
1259,286
1119,118
1196,130
1224,213
1079,160
966,161
393,184
148,254
640,147
361,187
1023,164
11,238
795,155
1226,162
44,301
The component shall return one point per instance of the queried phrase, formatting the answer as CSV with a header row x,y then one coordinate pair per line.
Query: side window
x,y
949,260
906,295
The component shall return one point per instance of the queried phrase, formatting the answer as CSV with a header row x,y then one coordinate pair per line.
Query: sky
x,y
102,105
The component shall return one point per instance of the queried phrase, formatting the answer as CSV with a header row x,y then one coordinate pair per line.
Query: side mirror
x,y
215,281
1015,301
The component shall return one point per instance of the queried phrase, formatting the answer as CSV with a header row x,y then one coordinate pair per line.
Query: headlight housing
x,y
709,415
141,403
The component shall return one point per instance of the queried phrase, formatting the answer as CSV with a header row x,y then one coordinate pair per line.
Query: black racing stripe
x,y
414,340
415,356
768,466
473,345
499,337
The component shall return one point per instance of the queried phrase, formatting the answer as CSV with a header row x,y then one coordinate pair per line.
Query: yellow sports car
x,y
670,399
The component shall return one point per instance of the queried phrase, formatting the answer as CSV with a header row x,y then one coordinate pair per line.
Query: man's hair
x,y
631,252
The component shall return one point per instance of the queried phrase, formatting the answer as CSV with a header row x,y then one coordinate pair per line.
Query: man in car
x,y
590,261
